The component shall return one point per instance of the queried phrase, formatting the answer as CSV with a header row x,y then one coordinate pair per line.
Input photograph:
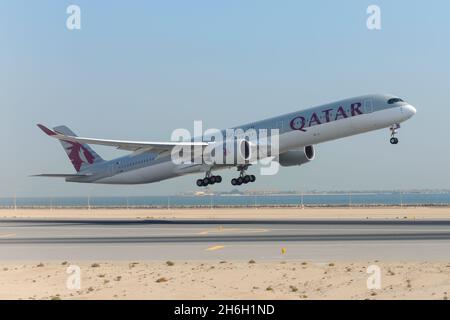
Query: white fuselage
x,y
164,168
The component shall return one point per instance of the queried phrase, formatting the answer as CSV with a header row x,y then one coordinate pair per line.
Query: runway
x,y
198,240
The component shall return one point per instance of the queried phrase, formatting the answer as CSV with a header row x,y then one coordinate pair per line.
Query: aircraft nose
x,y
409,110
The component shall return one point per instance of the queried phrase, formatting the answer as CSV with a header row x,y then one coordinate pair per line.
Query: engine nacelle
x,y
296,157
233,152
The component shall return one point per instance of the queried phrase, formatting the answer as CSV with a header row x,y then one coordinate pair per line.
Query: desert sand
x,y
225,280
235,213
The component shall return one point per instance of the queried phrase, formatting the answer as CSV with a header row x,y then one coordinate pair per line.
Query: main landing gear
x,y
394,129
243,178
209,179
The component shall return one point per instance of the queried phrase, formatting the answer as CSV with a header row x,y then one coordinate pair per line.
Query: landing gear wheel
x,y
393,140
208,179
394,129
243,177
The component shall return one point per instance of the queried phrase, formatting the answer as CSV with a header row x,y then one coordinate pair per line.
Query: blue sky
x,y
139,69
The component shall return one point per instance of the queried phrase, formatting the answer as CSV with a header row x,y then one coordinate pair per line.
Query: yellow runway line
x,y
213,248
7,235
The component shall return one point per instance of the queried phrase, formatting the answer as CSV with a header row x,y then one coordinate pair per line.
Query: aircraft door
x,y
362,122
368,106
115,168
279,125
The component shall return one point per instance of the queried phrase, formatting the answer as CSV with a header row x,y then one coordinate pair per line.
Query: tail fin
x,y
81,155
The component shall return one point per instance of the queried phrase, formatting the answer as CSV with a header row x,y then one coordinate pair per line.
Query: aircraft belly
x,y
340,129
376,120
153,173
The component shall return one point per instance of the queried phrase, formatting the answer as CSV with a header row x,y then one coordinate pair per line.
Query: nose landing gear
x,y
393,140
394,129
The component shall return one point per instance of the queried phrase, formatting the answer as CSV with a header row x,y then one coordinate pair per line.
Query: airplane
x,y
298,132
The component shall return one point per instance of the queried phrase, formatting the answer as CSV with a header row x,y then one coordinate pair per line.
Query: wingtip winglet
x,y
46,130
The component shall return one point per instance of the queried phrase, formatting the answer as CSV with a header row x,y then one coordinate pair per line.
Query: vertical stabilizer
x,y
81,155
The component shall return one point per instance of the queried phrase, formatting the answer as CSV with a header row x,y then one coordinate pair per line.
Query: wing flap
x,y
61,175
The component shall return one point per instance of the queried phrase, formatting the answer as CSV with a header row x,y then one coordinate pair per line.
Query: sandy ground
x,y
225,280
236,213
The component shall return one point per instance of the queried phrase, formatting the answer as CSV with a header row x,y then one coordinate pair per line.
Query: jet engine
x,y
296,157
234,152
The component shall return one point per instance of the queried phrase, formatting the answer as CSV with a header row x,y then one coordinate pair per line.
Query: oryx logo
x,y
78,154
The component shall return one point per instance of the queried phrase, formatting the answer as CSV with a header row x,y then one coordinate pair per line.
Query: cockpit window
x,y
394,100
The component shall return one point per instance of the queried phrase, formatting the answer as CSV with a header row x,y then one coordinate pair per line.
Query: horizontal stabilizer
x,y
57,175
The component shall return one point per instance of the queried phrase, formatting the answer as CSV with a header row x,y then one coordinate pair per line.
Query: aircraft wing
x,y
157,147
62,175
